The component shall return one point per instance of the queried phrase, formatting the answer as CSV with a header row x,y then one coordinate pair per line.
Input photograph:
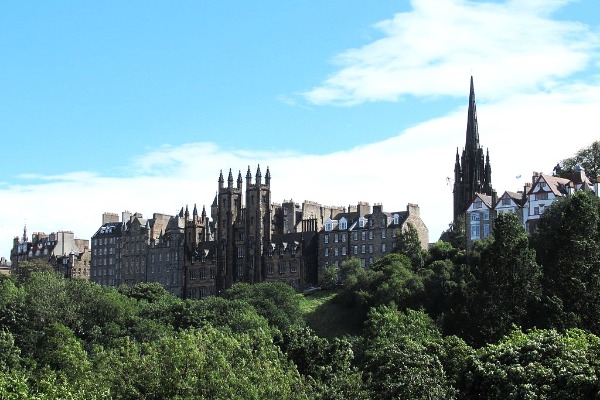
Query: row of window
x,y
476,231
362,222
337,237
363,250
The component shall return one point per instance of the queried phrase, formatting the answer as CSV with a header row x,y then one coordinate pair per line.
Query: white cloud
x,y
524,133
428,51
530,116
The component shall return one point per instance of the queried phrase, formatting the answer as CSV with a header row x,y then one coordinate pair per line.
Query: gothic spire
x,y
472,142
230,179
268,177
258,175
239,180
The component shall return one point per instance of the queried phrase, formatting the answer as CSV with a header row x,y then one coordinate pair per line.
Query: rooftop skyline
x,y
109,107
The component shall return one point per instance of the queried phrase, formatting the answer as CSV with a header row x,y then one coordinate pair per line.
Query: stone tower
x,y
472,171
257,223
229,212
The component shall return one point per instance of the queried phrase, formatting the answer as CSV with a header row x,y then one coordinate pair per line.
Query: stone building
x,y
247,238
66,254
365,233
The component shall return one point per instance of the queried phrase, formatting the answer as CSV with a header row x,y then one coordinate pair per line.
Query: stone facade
x,y
247,238
66,254
365,234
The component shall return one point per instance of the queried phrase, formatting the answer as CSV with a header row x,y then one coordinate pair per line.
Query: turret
x,y
221,181
258,176
239,180
230,180
268,177
248,178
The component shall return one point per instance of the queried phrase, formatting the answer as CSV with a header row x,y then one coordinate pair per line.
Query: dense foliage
x,y
513,317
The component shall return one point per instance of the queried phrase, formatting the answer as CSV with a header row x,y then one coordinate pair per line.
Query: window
x,y
361,222
363,262
344,250
326,239
355,236
370,249
326,252
240,251
396,219
335,252
343,224
282,267
506,201
477,204
486,216
269,268
328,226
363,235
383,247
293,267
541,196
336,238
355,250
240,270
475,232
343,238
486,231
475,217
363,249
383,233
370,234
536,211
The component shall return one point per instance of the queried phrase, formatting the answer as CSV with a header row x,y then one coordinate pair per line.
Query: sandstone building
x,y
68,255
247,238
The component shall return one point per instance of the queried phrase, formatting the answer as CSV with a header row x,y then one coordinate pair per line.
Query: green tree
x,y
540,364
397,361
567,242
587,157
276,301
409,244
326,365
507,279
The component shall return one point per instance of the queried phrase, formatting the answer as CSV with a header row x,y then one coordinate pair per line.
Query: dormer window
x,y
396,219
328,225
343,224
362,222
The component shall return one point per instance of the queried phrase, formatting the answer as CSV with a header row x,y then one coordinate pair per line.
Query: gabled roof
x,y
516,197
485,199
557,185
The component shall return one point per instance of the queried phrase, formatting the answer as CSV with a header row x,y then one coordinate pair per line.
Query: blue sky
x,y
346,101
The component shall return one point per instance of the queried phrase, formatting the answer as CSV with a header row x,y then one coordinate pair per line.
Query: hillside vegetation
x,y
517,317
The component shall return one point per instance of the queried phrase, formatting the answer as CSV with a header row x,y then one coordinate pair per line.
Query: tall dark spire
x,y
473,173
472,142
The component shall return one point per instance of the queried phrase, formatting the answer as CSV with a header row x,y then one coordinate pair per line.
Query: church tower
x,y
472,171
258,223
229,212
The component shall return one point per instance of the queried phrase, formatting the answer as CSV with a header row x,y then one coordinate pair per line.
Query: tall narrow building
x,y
472,171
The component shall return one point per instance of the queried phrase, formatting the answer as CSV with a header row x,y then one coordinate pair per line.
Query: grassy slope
x,y
327,318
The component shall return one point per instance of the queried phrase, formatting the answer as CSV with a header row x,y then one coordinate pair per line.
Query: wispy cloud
x,y
531,116
429,50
